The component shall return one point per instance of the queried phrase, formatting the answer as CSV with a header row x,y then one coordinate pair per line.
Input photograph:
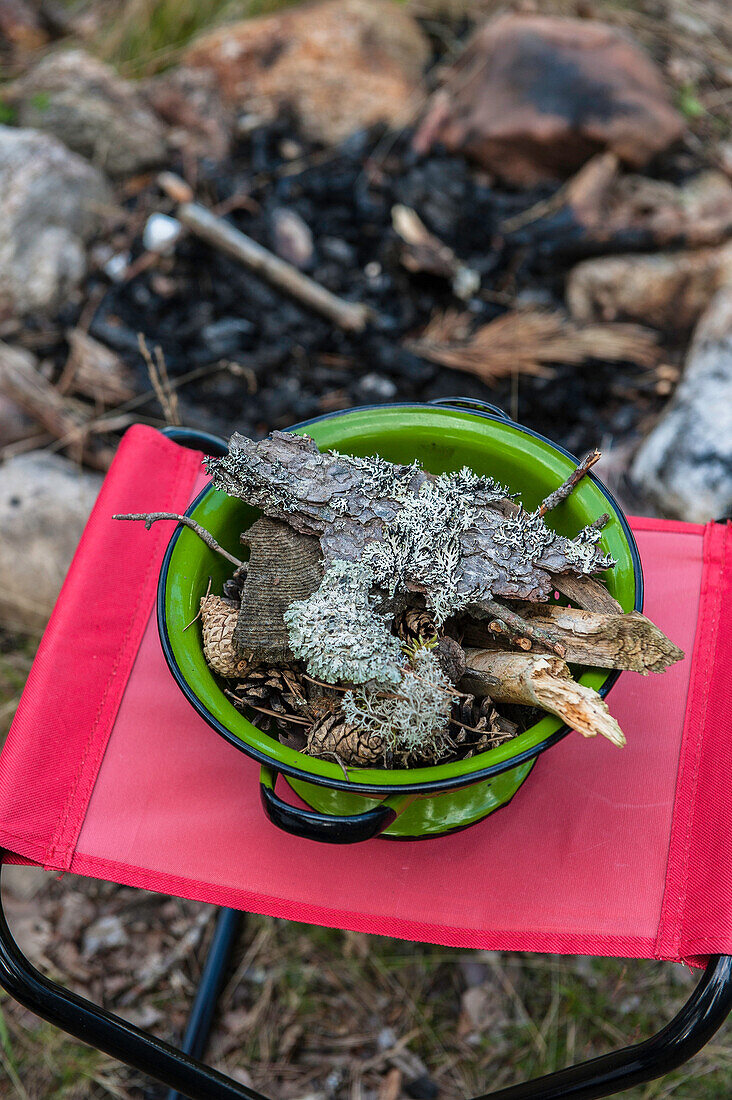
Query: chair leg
x,y
198,1029
692,1027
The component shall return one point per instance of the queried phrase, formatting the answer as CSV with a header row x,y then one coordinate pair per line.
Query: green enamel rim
x,y
443,439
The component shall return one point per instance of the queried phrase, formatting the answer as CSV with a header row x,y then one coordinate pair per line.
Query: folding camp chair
x,y
108,772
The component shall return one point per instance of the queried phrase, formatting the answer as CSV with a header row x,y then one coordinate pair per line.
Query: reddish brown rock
x,y
21,26
338,65
533,97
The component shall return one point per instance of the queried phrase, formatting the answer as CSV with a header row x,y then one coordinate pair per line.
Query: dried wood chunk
x,y
540,681
284,566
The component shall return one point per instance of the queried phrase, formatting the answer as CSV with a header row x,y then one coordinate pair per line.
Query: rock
x,y
533,97
103,934
21,25
669,291
85,104
189,102
52,203
338,65
161,233
292,238
45,501
685,464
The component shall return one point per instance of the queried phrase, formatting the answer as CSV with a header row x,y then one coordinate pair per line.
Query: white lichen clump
x,y
414,717
340,635
421,546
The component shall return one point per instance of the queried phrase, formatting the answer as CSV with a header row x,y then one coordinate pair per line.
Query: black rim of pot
x,y
434,786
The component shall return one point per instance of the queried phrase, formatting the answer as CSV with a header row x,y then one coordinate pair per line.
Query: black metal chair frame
x,y
183,1072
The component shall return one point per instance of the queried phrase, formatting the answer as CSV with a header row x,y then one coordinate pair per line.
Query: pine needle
x,y
526,341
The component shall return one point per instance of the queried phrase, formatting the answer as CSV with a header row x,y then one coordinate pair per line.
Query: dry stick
x,y
572,481
629,641
148,518
540,681
598,639
498,626
517,624
351,316
158,375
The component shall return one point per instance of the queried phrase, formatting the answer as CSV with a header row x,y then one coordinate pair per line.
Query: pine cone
x,y
415,624
481,726
233,586
332,734
218,620
278,689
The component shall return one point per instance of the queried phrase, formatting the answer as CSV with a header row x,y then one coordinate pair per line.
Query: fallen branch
x,y
560,495
148,518
600,640
350,316
540,681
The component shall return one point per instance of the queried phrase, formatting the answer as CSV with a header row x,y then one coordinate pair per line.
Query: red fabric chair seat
x,y
108,772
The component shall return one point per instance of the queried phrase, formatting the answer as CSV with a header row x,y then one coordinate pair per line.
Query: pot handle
x,y
197,440
474,404
327,828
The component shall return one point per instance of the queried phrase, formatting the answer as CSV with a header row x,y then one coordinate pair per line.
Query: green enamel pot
x,y
401,803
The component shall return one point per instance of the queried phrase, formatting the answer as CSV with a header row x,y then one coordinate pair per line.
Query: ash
x,y
265,362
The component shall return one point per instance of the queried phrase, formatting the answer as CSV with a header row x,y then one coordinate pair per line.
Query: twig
x,y
338,761
601,521
158,374
351,316
498,626
516,623
148,518
200,607
265,710
572,481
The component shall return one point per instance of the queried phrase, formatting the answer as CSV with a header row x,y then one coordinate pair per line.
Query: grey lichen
x,y
339,633
413,718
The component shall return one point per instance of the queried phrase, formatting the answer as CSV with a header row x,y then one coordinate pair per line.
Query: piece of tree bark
x,y
351,504
540,681
284,566
95,371
597,639
586,592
